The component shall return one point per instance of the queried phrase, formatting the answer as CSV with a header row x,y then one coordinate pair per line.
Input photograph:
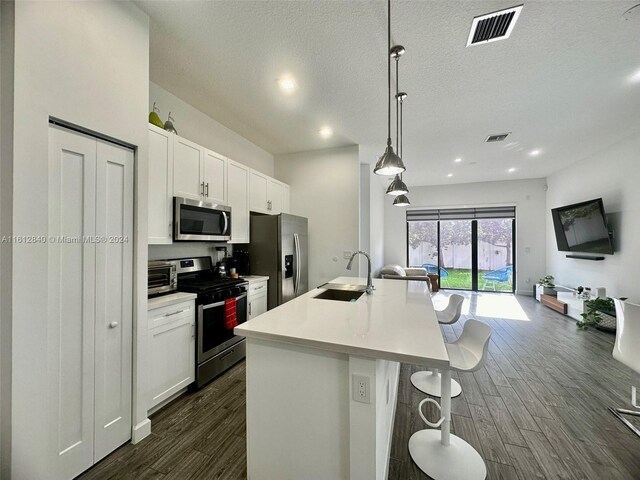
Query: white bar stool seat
x,y
626,351
429,381
439,454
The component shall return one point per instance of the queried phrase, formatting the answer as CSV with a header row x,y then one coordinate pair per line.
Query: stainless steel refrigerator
x,y
279,248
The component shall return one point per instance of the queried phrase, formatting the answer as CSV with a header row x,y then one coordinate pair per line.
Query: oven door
x,y
200,221
213,336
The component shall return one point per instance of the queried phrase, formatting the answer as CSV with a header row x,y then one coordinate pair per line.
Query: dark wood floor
x,y
537,410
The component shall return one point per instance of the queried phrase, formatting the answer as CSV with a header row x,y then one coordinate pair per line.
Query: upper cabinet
x,y
181,168
187,169
160,185
268,195
214,177
238,200
258,192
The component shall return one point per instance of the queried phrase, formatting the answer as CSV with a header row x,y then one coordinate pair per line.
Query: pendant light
x,y
401,200
389,163
397,186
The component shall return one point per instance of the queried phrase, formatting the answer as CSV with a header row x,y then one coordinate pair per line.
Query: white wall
x,y
372,194
527,195
325,188
196,126
6,201
86,63
614,175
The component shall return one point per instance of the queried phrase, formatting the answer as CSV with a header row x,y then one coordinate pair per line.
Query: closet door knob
x,y
113,324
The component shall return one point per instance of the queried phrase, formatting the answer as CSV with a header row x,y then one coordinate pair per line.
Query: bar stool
x,y
429,381
626,351
441,455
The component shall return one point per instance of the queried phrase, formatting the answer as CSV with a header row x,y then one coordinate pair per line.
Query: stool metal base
x,y
430,383
618,412
456,461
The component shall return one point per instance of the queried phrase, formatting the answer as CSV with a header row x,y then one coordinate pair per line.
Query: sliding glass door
x,y
471,249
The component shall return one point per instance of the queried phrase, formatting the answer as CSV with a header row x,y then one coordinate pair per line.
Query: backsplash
x,y
189,249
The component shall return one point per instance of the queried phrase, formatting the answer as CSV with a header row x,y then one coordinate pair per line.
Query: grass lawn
x,y
461,278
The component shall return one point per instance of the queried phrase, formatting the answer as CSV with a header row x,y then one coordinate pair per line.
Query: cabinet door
x,y
160,207
238,200
286,198
257,305
187,162
258,192
274,196
172,359
214,171
114,298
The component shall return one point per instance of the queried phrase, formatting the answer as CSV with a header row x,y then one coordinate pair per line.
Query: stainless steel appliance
x,y
279,248
161,278
200,221
217,346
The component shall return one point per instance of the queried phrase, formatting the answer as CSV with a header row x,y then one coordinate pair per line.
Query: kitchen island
x,y
322,379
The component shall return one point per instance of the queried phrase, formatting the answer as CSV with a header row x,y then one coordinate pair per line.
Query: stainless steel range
x,y
217,346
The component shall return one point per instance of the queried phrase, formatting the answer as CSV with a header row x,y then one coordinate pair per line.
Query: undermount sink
x,y
344,286
343,295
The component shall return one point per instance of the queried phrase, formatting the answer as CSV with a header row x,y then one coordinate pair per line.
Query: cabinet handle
x,y
207,190
258,288
202,189
249,308
268,204
169,228
174,313
193,331
113,324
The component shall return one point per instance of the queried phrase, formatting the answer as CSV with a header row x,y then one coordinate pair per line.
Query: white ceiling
x,y
561,82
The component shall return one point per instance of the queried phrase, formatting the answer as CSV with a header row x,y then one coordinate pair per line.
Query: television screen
x,y
582,227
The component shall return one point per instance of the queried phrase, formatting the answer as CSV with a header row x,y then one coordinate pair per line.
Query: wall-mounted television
x,y
582,227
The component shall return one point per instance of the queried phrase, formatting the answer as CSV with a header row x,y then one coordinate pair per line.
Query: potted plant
x,y
547,285
596,312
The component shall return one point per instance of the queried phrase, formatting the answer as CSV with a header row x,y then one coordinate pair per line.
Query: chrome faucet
x,y
370,287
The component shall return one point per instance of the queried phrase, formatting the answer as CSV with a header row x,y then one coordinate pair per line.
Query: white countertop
x,y
169,299
255,278
396,323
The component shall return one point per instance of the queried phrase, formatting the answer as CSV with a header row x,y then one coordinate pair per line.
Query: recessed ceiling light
x,y
534,153
635,77
325,132
458,160
287,84
450,175
511,170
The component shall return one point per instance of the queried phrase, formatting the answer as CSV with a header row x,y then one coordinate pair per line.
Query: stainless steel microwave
x,y
198,221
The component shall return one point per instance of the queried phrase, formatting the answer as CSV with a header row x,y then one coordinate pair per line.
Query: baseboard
x,y
141,431
525,293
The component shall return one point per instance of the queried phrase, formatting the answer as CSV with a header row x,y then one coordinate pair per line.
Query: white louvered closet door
x,y
90,299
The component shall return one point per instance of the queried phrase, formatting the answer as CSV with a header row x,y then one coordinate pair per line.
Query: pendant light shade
x,y
389,163
401,201
397,187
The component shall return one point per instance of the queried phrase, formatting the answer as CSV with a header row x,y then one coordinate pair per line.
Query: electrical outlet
x,y
347,254
361,388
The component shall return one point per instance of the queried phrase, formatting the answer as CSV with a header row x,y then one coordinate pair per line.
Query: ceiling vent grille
x,y
498,137
493,26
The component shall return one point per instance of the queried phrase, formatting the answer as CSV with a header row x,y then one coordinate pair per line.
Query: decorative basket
x,y
608,322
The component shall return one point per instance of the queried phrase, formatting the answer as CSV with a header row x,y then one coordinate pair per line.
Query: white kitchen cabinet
x,y
286,198
214,175
160,207
258,191
187,169
238,200
275,192
257,298
172,347
90,292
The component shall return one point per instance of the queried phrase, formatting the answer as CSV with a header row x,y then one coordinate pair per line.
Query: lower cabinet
x,y
172,343
257,298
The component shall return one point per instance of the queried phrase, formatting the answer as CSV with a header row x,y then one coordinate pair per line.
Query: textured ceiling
x,y
561,83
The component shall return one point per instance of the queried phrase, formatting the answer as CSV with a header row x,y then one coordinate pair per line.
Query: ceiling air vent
x,y
493,26
498,137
